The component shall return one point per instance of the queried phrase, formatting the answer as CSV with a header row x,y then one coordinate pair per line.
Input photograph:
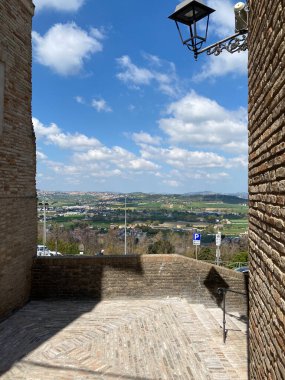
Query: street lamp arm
x,y
235,43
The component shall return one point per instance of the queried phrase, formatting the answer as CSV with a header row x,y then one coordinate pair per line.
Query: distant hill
x,y
210,197
145,197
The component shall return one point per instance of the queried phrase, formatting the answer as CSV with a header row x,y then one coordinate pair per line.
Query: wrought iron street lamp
x,y
190,12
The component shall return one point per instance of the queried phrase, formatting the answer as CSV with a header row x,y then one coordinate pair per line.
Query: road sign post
x,y
196,242
218,244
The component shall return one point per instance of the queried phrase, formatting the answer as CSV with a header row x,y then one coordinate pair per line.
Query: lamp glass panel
x,y
191,12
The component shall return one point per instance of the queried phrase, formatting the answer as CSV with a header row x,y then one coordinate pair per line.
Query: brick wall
x,y
17,155
148,276
267,188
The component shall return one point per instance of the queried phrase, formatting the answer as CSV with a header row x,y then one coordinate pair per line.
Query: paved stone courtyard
x,y
126,339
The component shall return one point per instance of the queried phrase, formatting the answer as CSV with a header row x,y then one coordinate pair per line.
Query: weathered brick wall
x,y
148,276
267,188
17,156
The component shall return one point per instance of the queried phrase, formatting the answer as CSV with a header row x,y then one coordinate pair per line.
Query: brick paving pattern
x,y
121,339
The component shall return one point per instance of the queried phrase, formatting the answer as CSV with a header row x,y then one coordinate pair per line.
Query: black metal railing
x,y
223,292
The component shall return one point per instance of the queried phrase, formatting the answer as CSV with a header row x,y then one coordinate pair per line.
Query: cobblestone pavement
x,y
139,339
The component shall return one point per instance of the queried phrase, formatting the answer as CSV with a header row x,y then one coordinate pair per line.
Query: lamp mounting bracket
x,y
232,44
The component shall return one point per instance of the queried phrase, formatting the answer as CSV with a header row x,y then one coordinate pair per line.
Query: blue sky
x,y
120,105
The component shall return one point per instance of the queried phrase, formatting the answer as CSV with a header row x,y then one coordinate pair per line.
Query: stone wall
x,y
17,155
267,188
149,276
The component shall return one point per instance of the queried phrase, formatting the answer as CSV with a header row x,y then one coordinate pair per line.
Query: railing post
x,y
223,292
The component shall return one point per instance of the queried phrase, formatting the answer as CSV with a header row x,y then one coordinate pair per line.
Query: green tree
x,y
161,247
206,253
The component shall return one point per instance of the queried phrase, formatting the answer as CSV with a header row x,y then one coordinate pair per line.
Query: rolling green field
x,y
99,210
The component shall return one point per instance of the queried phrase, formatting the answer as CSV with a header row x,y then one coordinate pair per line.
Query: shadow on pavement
x,y
44,317
82,371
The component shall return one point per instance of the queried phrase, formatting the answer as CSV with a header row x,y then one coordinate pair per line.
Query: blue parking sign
x,y
196,239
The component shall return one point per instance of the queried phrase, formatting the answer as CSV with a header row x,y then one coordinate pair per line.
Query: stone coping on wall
x,y
130,276
124,259
86,260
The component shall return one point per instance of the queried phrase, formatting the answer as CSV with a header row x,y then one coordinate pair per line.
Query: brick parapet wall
x,y
148,276
267,188
18,226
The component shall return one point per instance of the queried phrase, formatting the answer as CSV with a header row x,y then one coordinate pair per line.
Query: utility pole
x,y
125,225
44,204
218,244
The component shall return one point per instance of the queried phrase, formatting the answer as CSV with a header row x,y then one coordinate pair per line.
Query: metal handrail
x,y
224,291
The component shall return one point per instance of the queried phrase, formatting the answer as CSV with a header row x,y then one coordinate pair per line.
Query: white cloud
x,y
223,64
79,99
65,47
182,158
241,161
118,156
59,5
41,156
43,131
101,105
90,152
53,135
200,121
145,138
174,166
135,76
141,164
222,22
203,175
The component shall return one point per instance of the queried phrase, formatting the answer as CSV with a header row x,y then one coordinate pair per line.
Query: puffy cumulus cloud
x,y
43,131
223,20
183,158
88,156
53,135
132,73
59,5
145,138
200,121
87,159
41,156
141,164
241,161
65,47
116,156
222,25
101,105
163,75
223,64
61,168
